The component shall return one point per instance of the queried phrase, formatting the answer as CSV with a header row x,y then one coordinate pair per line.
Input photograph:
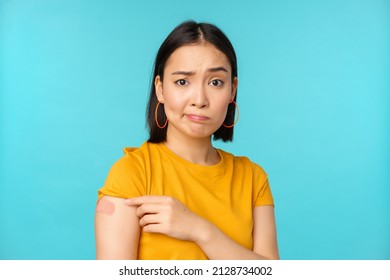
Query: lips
x,y
198,118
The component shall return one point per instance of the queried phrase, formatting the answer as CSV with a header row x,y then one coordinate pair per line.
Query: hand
x,y
166,215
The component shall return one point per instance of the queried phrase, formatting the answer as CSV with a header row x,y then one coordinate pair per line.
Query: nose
x,y
199,97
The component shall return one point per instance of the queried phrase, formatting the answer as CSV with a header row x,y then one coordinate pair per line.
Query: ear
x,y
234,87
159,89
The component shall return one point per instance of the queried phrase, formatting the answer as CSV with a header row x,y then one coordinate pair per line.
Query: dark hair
x,y
189,32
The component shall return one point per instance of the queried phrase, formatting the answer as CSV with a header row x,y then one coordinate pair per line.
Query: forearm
x,y
218,246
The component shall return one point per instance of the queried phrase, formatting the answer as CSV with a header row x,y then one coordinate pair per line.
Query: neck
x,y
198,151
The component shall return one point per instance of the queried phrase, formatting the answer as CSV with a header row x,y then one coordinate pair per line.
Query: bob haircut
x,y
187,33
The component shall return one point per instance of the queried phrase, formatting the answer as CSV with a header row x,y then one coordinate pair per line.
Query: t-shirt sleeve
x,y
125,179
262,191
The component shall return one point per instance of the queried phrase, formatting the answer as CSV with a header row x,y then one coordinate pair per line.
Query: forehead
x,y
197,56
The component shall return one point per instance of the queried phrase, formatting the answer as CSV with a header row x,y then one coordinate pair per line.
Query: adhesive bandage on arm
x,y
105,206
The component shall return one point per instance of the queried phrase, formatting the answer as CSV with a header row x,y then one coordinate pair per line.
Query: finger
x,y
149,209
148,199
150,219
153,228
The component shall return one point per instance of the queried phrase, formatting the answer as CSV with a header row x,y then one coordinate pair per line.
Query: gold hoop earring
x,y
237,116
156,119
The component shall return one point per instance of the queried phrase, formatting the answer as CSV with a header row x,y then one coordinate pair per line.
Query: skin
x,y
196,90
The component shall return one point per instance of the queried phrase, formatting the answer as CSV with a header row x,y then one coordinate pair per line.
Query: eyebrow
x,y
189,73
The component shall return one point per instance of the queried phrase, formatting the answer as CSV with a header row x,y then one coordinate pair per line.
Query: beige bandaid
x,y
105,206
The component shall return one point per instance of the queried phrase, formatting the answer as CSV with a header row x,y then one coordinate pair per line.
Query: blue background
x,y
314,98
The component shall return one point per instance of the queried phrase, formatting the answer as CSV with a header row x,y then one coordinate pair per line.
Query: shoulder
x,y
242,161
133,160
250,174
127,176
134,156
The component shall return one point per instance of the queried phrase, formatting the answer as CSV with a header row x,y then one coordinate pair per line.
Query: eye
x,y
182,82
216,83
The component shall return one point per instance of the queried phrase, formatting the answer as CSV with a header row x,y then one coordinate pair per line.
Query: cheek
x,y
174,102
222,103
221,108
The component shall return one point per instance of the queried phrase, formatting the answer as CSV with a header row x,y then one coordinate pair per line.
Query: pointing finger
x,y
150,199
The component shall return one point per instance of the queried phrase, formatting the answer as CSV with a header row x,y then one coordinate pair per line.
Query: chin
x,y
200,135
196,131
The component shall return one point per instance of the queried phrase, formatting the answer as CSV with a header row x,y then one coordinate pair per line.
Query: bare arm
x,y
217,245
264,232
116,229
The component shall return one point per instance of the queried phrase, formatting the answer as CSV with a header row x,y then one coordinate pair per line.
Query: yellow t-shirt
x,y
224,194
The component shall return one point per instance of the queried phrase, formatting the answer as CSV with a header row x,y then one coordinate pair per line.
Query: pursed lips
x,y
197,117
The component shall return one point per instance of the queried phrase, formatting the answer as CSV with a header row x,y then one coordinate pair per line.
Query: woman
x,y
185,198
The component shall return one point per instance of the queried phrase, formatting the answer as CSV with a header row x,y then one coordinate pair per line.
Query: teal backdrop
x,y
314,98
